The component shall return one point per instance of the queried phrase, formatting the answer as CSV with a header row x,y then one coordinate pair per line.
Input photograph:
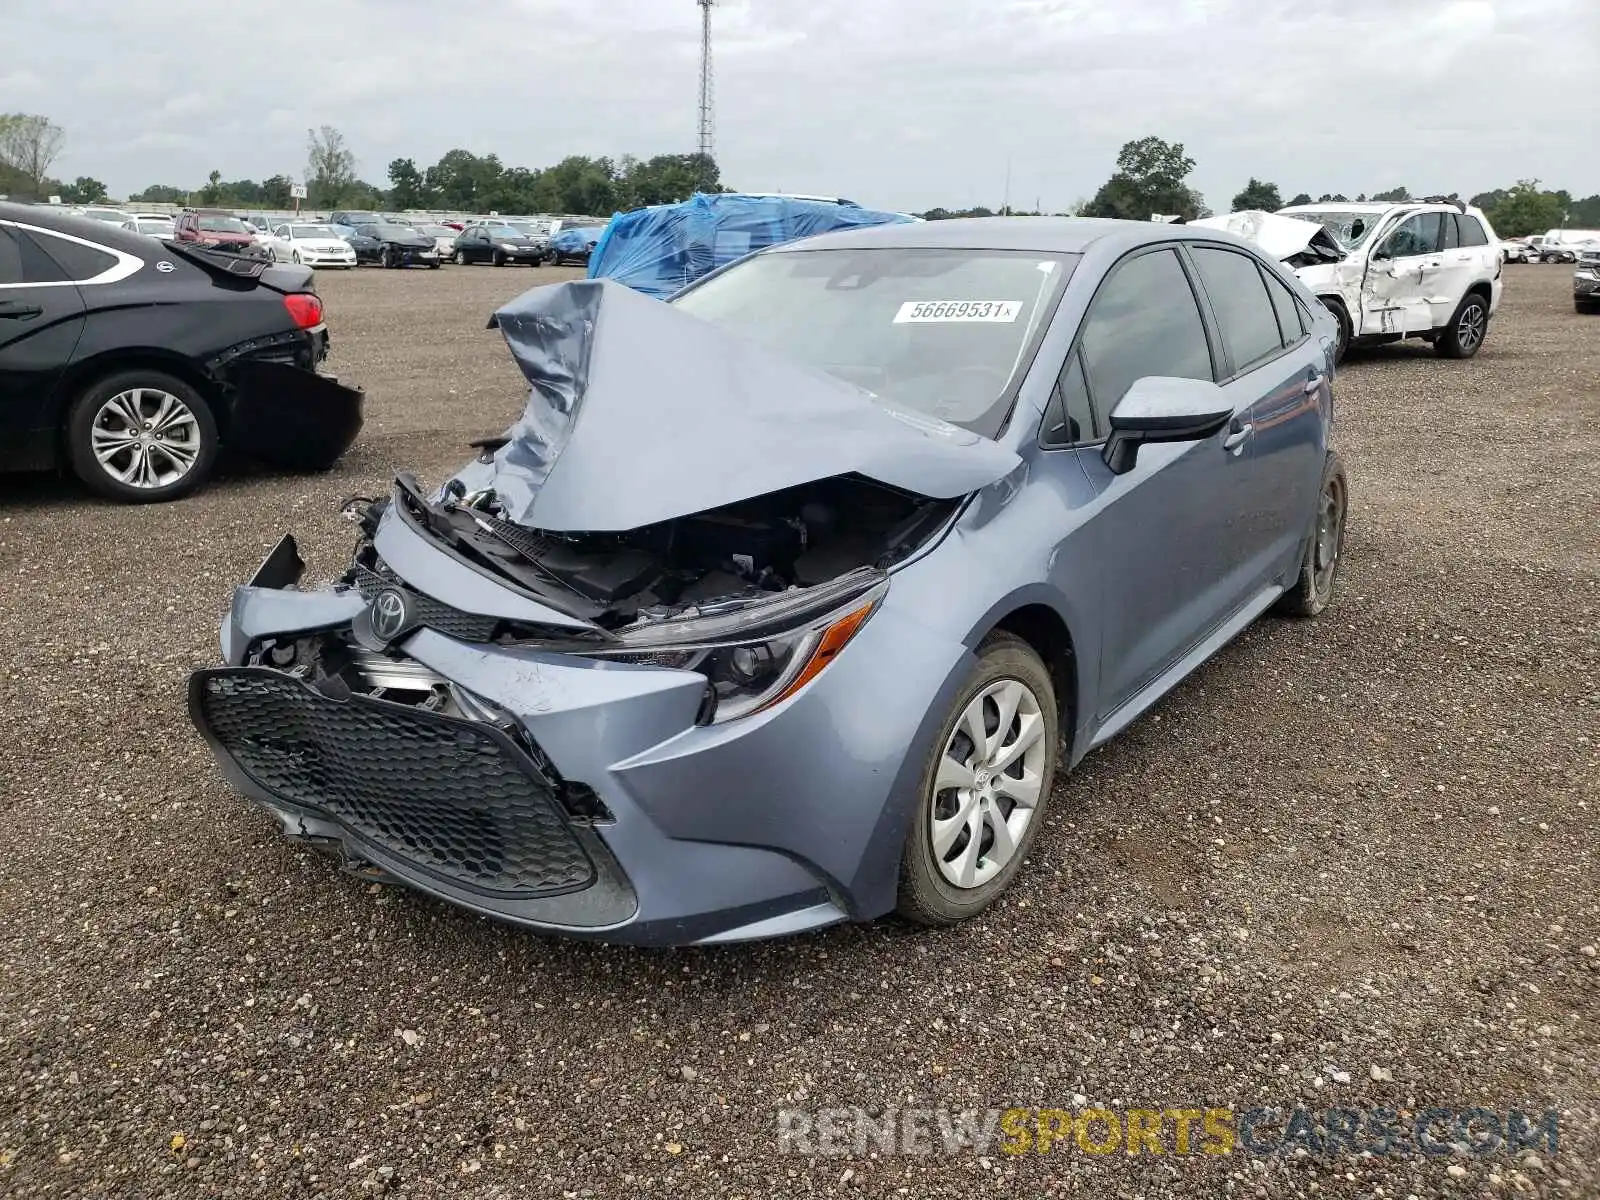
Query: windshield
x,y
502,232
940,332
157,227
436,231
312,231
392,231
224,225
1351,228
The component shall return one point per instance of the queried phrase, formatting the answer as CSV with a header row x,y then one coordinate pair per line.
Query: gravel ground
x,y
1349,862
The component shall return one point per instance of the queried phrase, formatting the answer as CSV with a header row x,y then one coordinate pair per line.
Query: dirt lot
x,y
1351,862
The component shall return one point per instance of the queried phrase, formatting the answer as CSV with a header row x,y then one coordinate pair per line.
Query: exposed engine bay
x,y
709,562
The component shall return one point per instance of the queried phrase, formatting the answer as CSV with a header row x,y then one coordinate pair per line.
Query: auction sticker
x,y
917,311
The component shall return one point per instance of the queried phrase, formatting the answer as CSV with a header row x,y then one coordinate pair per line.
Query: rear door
x,y
41,320
1401,274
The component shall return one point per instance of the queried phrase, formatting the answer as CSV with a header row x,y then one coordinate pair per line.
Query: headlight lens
x,y
507,246
748,674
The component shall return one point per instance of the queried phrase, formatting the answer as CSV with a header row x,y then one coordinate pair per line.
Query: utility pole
x,y
708,131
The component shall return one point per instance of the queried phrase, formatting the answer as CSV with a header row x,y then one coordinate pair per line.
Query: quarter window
x,y
1069,419
10,258
1144,322
1243,307
80,262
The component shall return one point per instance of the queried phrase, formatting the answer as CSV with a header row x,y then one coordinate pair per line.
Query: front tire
x,y
141,436
1319,567
984,787
1463,337
1342,319
461,258
499,259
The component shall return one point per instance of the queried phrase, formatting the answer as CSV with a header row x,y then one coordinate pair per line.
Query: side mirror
x,y
1160,408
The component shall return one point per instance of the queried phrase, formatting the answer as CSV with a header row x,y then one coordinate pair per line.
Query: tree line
x,y
1151,177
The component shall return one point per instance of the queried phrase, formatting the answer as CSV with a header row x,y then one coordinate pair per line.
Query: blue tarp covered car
x,y
662,249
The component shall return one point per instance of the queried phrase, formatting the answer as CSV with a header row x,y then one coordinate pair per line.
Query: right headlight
x,y
760,654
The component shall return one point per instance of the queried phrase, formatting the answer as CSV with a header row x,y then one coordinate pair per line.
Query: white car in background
x,y
111,216
313,245
155,225
1426,269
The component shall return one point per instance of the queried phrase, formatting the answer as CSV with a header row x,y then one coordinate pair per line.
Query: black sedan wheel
x,y
461,258
499,259
142,436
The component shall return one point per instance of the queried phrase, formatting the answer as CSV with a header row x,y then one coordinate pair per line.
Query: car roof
x,y
49,216
1045,235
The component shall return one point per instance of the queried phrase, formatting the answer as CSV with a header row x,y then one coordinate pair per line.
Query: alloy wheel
x,y
988,785
146,438
1470,326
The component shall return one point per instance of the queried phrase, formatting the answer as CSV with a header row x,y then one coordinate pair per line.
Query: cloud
x,y
901,103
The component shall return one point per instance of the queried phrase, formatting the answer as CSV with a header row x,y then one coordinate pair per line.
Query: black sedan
x,y
498,244
401,245
131,360
368,250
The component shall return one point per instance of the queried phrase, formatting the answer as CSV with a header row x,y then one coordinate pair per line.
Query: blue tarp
x,y
575,239
659,250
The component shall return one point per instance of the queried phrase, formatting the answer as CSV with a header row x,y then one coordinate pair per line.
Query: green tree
x,y
580,185
1300,198
408,188
160,193
1397,195
275,191
1526,210
1333,198
211,194
1258,195
30,145
1585,213
330,167
83,190
1149,179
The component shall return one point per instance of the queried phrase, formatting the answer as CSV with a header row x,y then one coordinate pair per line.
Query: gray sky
x,y
896,103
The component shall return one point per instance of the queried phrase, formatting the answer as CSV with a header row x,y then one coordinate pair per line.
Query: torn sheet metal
x,y
640,413
1282,237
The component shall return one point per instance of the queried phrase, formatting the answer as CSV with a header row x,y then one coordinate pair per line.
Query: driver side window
x,y
1417,235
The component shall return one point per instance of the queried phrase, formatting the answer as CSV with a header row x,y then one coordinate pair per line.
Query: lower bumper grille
x,y
455,798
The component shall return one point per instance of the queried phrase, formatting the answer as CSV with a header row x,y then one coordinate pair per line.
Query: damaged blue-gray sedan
x,y
784,600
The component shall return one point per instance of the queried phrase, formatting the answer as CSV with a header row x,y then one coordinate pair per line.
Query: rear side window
x,y
10,258
22,262
1291,317
1145,321
1243,307
80,262
1471,228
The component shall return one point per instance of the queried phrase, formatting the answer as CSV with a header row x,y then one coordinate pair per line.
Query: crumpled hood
x,y
640,413
1281,237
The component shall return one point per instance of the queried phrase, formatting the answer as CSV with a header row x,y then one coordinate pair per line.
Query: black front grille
x,y
433,614
455,798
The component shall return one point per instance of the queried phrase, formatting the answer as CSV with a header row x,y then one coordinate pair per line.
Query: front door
x,y
1171,541
41,318
1401,275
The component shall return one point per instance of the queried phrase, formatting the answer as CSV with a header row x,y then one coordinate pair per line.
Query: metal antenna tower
x,y
708,131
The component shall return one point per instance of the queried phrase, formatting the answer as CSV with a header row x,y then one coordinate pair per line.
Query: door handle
x,y
1237,437
18,310
1314,384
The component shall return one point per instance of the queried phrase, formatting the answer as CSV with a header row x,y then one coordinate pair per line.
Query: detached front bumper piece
x,y
437,801
291,417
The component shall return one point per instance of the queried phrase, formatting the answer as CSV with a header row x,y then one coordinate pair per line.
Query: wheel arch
x,y
82,375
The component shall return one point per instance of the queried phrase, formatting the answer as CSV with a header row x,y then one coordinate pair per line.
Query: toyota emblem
x,y
389,614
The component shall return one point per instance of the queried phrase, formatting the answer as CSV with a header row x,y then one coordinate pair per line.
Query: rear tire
x,y
927,893
1319,566
103,444
1468,327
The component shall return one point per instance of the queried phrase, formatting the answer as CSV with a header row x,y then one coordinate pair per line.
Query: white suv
x,y
1428,270
1421,269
